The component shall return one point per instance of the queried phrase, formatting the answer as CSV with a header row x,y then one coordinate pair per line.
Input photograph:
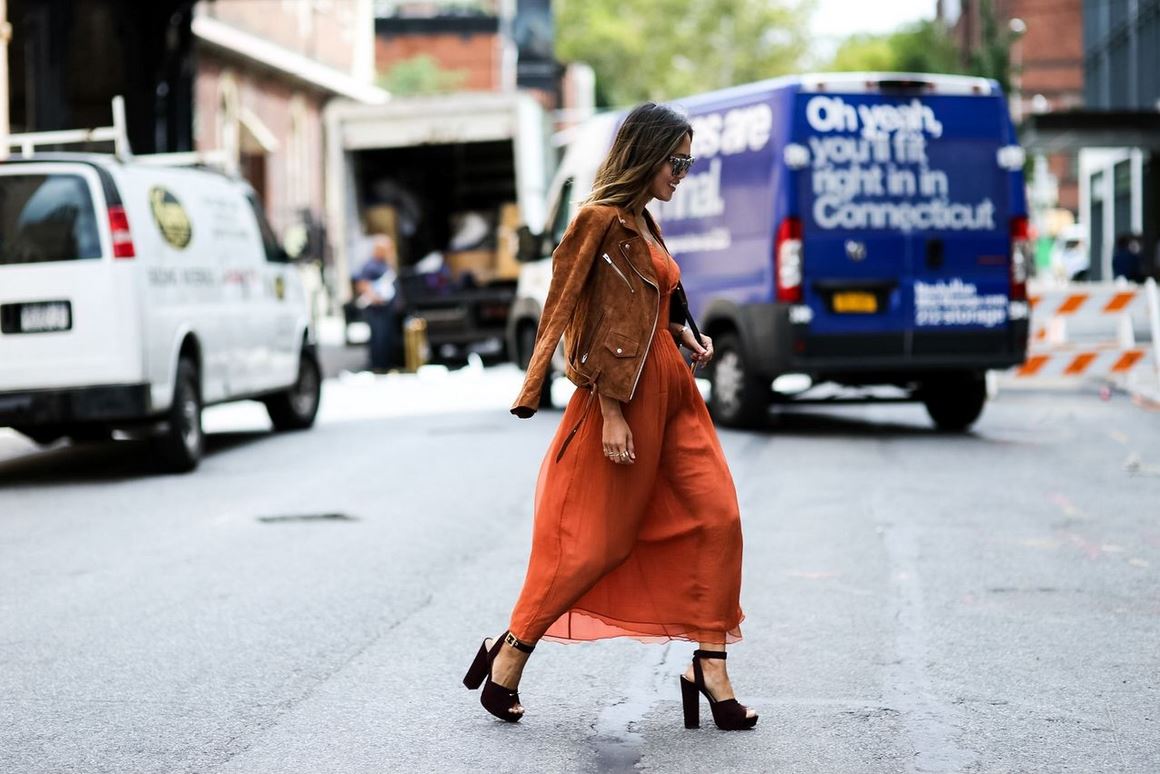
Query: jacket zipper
x,y
656,314
588,347
616,269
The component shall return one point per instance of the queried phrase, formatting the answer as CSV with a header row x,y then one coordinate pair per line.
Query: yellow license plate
x,y
855,302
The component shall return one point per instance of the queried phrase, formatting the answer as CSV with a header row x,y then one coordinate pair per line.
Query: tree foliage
x,y
927,47
992,59
665,49
421,75
923,47
865,53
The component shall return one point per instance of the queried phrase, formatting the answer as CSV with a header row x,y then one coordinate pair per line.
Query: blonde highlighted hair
x,y
646,139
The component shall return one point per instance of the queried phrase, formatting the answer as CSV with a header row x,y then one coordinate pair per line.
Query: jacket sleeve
x,y
571,263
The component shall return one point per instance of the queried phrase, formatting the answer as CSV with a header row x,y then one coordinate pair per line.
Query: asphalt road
x,y
309,602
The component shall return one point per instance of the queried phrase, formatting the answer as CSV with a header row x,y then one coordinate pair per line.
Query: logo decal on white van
x,y
170,216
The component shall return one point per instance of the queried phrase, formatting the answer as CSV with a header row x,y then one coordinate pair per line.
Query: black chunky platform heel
x,y
729,715
495,698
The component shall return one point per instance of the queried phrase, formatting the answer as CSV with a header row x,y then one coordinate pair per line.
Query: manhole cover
x,y
306,517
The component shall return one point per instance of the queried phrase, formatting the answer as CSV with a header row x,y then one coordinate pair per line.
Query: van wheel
x,y
42,436
180,447
954,402
546,390
739,398
525,345
89,434
296,408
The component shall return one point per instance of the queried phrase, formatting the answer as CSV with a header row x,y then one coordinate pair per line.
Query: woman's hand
x,y
617,436
702,351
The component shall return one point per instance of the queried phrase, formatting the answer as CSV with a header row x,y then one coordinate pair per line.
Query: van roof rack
x,y
118,134
866,82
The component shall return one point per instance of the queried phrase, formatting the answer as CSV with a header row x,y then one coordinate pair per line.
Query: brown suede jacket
x,y
604,300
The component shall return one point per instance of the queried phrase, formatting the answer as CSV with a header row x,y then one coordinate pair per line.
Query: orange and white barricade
x,y
1053,309
1096,361
1089,330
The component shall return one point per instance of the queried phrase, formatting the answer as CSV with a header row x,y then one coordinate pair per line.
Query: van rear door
x,y
66,306
906,218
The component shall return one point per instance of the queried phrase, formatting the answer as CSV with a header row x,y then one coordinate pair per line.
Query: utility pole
x,y
5,36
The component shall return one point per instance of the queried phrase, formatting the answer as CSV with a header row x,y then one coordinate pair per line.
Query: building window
x,y
1149,48
1122,185
1097,187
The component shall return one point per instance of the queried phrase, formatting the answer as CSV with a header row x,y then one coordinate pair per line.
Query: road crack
x,y
931,721
618,746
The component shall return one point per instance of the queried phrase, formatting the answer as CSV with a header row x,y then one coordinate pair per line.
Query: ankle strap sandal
x,y
729,715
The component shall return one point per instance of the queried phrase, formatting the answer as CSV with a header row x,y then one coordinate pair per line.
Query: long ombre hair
x,y
646,139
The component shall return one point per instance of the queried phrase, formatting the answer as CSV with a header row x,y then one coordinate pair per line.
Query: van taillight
x,y
119,229
1020,255
787,260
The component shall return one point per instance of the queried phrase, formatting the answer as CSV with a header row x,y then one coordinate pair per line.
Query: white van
x,y
132,295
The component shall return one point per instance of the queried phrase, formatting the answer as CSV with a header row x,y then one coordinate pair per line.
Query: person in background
x,y
1071,261
375,285
1126,258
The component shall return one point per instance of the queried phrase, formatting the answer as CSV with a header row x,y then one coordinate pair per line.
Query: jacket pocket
x,y
621,346
616,269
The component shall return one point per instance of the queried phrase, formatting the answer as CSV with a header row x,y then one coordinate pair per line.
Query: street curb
x,y
1146,399
1144,392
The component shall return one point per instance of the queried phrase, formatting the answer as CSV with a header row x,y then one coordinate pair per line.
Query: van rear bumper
x,y
778,345
79,404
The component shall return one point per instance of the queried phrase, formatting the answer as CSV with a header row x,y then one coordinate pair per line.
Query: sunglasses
x,y
681,164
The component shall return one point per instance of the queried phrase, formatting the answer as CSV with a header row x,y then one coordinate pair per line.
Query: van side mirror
x,y
530,245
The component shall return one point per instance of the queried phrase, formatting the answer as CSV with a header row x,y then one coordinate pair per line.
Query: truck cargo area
x,y
415,193
449,179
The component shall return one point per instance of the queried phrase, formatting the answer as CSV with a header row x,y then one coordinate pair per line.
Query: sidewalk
x,y
334,353
363,397
1143,384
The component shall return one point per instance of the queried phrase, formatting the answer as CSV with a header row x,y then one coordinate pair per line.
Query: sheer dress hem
x,y
578,625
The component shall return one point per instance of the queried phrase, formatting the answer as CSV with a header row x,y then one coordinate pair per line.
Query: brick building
x,y
247,79
1120,170
1047,64
495,45
67,60
1117,133
468,49
264,73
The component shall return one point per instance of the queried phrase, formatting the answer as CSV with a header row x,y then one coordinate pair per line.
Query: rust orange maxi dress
x,y
650,550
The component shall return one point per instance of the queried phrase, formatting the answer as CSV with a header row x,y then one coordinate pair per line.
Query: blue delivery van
x,y
855,229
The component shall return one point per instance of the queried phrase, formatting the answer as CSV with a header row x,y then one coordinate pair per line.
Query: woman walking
x,y
636,529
